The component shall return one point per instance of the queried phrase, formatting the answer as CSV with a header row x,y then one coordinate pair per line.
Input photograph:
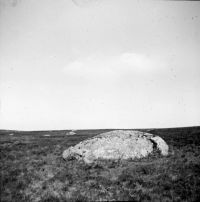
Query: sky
x,y
87,64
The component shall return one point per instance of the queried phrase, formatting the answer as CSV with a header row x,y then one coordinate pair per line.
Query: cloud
x,y
89,68
138,61
111,67
81,3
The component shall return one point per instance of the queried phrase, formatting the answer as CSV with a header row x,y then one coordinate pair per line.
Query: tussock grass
x,y
32,169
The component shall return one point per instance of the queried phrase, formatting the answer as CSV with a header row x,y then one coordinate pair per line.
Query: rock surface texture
x,y
118,144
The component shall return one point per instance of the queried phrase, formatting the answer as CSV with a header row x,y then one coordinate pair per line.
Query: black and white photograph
x,y
99,100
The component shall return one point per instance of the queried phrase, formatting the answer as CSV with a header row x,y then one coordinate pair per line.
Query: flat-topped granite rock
x,y
118,144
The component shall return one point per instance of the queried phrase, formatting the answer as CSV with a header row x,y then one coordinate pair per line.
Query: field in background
x,y
32,169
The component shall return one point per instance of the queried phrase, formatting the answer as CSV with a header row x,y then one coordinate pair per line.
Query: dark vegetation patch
x,y
32,169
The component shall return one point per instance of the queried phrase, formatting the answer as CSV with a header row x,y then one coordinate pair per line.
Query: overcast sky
x,y
99,64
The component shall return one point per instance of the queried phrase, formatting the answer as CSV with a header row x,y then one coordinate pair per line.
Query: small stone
x,y
11,134
47,135
71,133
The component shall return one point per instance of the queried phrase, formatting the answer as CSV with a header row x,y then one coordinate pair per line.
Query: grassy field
x,y
32,169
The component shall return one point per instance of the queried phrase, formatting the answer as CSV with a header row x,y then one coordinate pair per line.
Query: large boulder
x,y
118,144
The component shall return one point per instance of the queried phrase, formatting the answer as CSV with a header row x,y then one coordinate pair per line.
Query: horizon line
x,y
52,130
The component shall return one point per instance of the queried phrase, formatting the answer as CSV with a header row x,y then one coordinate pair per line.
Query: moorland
x,y
33,170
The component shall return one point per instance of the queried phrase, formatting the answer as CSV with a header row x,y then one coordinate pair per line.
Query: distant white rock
x,y
47,135
11,134
71,133
118,144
